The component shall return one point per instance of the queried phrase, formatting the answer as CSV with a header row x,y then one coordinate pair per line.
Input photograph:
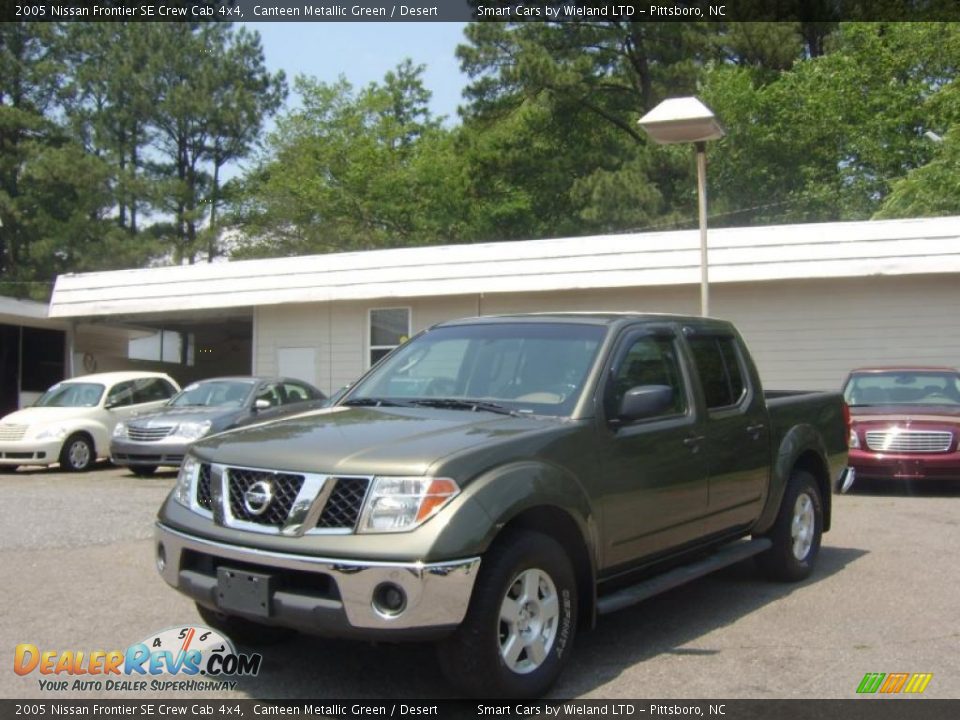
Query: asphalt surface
x,y
78,572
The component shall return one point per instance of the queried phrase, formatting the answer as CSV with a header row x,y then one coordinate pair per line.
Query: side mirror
x,y
261,404
644,401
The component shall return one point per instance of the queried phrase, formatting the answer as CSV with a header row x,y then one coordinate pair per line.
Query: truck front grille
x,y
346,500
142,433
281,488
909,441
12,432
204,498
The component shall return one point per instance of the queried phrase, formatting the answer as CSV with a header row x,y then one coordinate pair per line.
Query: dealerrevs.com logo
x,y
187,659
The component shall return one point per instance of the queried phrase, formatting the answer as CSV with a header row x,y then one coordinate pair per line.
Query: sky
x,y
365,51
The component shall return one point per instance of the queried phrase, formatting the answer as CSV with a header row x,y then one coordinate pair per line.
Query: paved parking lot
x,y
78,571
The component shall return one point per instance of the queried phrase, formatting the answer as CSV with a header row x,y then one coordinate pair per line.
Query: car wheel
x,y
520,625
143,470
242,630
77,454
797,532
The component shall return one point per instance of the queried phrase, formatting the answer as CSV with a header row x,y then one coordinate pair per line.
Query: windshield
x,y
536,368
903,388
213,393
71,395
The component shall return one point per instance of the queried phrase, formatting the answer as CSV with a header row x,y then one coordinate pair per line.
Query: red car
x,y
905,422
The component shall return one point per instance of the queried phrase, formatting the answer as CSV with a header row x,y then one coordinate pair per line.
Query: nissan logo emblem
x,y
257,498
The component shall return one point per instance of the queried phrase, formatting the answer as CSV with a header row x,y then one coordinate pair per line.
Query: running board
x,y
678,576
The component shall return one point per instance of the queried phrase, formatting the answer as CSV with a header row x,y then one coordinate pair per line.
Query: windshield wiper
x,y
375,402
464,404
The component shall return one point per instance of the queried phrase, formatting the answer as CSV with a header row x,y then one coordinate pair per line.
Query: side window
x,y
721,374
648,361
120,394
294,393
389,327
270,393
151,390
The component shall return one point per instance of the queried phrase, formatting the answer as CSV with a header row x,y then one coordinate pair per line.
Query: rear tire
x,y
77,454
243,631
797,532
519,629
143,471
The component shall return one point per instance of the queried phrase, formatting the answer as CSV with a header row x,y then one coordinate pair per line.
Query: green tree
x,y
356,169
213,93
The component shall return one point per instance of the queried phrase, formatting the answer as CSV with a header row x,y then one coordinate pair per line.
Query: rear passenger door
x,y
654,476
737,439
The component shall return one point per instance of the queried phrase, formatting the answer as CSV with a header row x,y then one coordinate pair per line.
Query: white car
x,y
72,422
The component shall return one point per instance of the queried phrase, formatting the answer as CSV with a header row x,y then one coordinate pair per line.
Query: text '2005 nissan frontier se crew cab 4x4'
x,y
497,482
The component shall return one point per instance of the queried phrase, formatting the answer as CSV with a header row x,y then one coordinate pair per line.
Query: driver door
x,y
654,470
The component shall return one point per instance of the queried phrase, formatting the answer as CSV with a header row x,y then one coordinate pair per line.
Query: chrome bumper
x,y
437,594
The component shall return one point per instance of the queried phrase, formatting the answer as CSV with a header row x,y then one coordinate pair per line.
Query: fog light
x,y
389,599
161,557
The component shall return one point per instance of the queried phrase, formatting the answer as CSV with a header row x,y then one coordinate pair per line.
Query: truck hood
x,y
364,441
44,415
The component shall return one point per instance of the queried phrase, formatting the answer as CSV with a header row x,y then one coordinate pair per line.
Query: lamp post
x,y
687,120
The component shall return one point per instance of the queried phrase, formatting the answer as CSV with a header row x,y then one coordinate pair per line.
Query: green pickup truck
x,y
496,483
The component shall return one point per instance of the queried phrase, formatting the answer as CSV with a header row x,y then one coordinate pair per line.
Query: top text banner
x,y
482,10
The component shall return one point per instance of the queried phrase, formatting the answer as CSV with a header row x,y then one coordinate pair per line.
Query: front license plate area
x,y
244,592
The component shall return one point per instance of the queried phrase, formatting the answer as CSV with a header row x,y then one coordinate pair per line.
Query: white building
x,y
812,300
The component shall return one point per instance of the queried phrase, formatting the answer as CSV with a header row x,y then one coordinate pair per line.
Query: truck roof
x,y
592,318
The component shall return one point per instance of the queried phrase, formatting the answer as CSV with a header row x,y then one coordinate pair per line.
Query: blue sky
x,y
364,52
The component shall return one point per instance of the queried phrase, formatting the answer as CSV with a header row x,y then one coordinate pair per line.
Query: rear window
x,y
721,374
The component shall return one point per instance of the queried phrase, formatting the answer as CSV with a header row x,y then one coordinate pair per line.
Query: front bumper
x,y
169,451
30,452
324,596
888,466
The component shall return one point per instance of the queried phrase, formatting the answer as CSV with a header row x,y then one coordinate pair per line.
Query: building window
x,y
166,346
389,327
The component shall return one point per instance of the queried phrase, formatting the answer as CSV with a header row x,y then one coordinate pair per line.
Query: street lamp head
x,y
681,120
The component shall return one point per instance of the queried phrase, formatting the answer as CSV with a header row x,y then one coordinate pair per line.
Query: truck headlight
x,y
854,442
398,504
193,430
120,430
53,432
189,469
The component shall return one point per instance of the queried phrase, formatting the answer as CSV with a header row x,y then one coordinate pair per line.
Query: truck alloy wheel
x,y
518,631
797,531
77,454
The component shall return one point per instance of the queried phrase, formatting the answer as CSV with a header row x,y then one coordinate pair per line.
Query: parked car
x,y
160,438
71,423
905,422
495,482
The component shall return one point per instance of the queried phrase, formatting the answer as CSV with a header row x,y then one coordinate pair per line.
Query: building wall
x,y
804,334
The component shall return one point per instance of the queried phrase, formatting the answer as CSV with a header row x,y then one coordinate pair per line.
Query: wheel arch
x,y
559,525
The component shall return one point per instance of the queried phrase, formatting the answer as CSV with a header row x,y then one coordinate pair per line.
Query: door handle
x,y
693,441
754,429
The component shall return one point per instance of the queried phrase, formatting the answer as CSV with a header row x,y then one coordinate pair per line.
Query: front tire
x,y
77,454
241,630
797,532
519,628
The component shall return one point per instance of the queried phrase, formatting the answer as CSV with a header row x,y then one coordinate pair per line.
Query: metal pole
x,y
701,150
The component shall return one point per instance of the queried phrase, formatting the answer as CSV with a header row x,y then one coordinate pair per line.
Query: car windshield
x,y
535,368
71,395
903,388
213,393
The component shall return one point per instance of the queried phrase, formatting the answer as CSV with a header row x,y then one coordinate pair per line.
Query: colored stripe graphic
x,y
871,682
918,682
894,683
